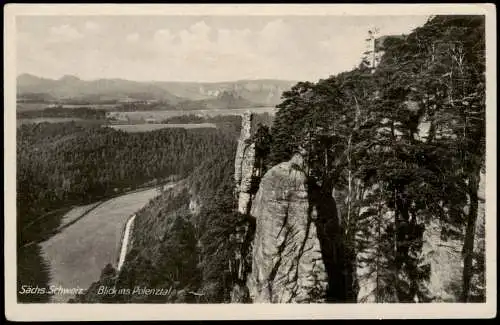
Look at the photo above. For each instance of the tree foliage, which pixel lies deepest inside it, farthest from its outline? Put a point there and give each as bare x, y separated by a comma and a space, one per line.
409, 136
60, 165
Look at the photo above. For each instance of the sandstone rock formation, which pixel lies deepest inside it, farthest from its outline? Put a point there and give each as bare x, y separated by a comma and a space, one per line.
287, 255
245, 133
240, 264
444, 257
297, 254
244, 165
247, 173
244, 169
478, 280
440, 254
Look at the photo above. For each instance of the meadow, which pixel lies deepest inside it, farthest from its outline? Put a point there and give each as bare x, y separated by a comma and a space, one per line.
132, 128
161, 115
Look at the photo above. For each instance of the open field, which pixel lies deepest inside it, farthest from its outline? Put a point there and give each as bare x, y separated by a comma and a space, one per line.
160, 115
79, 252
151, 127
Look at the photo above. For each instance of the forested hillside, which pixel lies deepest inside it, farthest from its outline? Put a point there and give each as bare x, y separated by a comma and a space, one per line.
181, 241
64, 164
70, 164
402, 148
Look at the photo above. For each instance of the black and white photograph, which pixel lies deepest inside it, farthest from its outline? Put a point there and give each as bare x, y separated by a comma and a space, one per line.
198, 157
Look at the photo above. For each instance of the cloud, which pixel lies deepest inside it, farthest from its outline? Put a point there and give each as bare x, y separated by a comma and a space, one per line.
234, 41
202, 42
291, 48
271, 50
200, 28
64, 33
92, 26
133, 37
192, 44
275, 37
163, 36
196, 38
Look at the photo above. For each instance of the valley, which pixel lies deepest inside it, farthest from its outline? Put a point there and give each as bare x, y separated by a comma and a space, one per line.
364, 187
78, 253
71, 224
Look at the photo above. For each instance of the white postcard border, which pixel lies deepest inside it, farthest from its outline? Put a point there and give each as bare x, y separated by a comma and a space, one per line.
56, 312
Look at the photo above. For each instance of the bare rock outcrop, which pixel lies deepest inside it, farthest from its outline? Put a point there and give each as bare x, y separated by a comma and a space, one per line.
247, 173
444, 257
440, 257
287, 261
478, 281
244, 168
446, 262
246, 124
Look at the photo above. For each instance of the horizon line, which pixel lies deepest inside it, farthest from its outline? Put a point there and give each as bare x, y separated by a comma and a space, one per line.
152, 80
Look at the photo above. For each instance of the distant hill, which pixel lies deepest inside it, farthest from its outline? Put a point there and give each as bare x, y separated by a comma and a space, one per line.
101, 89
266, 92
185, 95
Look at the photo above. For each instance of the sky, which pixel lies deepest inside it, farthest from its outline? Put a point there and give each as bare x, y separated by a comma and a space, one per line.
197, 48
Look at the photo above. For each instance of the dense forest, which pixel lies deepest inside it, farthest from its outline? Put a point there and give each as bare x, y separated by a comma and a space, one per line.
61, 111
60, 165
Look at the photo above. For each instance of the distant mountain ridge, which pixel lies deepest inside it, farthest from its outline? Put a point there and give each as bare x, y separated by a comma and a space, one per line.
262, 91
237, 94
75, 88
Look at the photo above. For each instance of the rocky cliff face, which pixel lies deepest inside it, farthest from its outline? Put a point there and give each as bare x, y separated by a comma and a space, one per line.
287, 261
478, 288
440, 254
295, 254
244, 170
290, 253
444, 256
244, 165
